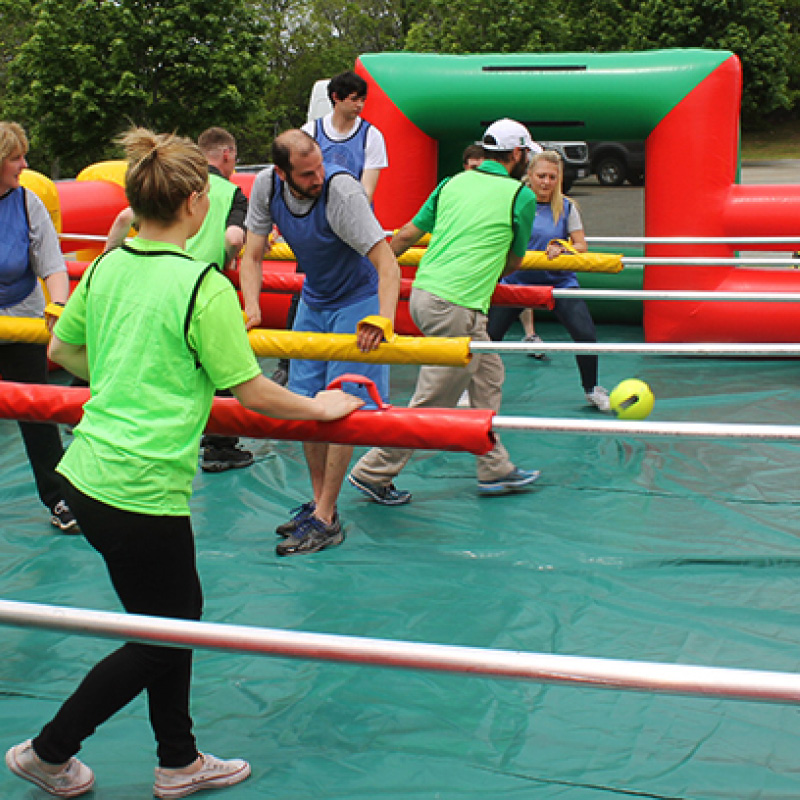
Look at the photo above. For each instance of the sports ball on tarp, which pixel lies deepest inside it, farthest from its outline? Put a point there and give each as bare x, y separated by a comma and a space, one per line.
632, 399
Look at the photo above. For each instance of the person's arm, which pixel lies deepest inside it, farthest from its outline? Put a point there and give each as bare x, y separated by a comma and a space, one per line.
266, 397
369, 180
513, 263
385, 263
406, 237
57, 285
578, 239
251, 277
234, 242
119, 229
70, 356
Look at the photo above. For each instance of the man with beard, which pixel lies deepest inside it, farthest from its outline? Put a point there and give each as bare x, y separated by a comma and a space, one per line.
351, 274
480, 222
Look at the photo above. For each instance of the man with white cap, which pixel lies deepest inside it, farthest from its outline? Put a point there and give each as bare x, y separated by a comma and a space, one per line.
480, 222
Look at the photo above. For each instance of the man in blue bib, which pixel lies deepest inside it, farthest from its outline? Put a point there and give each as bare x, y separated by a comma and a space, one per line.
351, 274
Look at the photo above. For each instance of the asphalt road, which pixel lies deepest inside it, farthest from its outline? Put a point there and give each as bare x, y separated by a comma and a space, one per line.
619, 210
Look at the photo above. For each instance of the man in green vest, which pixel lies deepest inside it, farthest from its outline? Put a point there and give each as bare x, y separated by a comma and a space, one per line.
480, 222
218, 242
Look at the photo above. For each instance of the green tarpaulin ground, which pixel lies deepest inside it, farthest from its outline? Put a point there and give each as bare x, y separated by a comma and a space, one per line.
646, 549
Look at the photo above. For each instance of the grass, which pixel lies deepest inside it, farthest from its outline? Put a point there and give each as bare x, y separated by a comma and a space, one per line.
780, 140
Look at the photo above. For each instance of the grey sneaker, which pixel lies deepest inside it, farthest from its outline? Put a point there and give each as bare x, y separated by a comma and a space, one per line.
299, 514
598, 397
72, 780
515, 481
213, 774
387, 495
535, 339
311, 536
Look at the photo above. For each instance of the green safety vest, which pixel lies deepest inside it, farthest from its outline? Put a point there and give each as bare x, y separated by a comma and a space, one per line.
208, 244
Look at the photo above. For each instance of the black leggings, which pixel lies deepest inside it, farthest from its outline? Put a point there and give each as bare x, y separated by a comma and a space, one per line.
151, 562
27, 363
572, 314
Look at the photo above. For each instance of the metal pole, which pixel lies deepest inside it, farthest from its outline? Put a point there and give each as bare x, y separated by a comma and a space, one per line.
636, 348
676, 294
687, 430
693, 239
741, 684
710, 261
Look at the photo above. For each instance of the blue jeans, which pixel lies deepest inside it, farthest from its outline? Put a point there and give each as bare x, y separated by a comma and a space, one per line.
573, 315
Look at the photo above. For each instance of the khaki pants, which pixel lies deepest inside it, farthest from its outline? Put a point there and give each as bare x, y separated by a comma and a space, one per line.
440, 387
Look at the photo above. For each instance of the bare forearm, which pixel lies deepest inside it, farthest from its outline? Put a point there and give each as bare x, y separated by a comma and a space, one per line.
58, 286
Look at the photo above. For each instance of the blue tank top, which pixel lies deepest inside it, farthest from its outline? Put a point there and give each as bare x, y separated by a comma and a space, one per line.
546, 228
17, 280
336, 275
349, 153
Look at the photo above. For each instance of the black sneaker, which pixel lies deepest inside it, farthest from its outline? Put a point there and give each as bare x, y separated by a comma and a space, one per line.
299, 514
311, 536
219, 459
388, 495
64, 519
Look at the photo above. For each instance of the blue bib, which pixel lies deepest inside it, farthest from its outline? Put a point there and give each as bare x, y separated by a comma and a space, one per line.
336, 275
546, 228
349, 153
17, 280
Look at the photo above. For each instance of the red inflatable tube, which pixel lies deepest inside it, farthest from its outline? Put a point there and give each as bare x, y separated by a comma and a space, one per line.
285, 280
459, 430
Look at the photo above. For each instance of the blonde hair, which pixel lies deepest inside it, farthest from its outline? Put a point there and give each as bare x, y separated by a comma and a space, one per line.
163, 170
557, 198
12, 140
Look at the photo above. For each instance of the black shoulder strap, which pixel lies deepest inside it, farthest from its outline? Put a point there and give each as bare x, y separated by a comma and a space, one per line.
190, 310
93, 267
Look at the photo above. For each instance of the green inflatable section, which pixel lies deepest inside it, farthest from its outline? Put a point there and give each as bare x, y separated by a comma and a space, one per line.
567, 95
661, 550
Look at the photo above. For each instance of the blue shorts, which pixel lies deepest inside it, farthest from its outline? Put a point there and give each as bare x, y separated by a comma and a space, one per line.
309, 377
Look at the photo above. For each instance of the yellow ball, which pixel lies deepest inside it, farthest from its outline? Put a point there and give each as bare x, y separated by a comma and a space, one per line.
632, 399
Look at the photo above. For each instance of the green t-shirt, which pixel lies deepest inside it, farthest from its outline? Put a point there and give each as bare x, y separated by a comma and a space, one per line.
475, 218
136, 446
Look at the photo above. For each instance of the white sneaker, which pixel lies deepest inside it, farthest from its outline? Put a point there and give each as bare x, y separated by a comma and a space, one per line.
599, 397
463, 401
72, 780
535, 339
213, 774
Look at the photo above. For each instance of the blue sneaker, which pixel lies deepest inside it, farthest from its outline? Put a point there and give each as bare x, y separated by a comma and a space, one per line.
515, 480
299, 514
385, 495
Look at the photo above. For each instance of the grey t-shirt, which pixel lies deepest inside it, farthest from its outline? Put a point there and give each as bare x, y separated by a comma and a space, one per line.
348, 211
45, 257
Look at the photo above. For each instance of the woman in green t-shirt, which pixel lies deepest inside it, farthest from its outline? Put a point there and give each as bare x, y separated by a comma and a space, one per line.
155, 333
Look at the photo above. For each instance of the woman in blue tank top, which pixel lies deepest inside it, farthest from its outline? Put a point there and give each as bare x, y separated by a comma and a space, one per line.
29, 250
556, 218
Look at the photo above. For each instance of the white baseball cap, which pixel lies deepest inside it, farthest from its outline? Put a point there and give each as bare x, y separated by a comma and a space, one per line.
506, 134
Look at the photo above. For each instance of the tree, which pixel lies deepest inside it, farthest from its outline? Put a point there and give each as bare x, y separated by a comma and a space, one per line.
473, 26
14, 32
93, 67
752, 29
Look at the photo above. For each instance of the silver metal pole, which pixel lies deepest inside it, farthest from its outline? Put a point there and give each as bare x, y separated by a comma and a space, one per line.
694, 239
689, 430
676, 294
636, 348
741, 684
711, 261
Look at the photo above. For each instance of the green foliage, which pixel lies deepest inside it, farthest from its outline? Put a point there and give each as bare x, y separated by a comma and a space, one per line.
92, 68
474, 26
752, 29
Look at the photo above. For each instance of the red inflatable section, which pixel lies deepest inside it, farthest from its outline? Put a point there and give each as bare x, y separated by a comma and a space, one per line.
88, 207
691, 168
459, 430
398, 192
